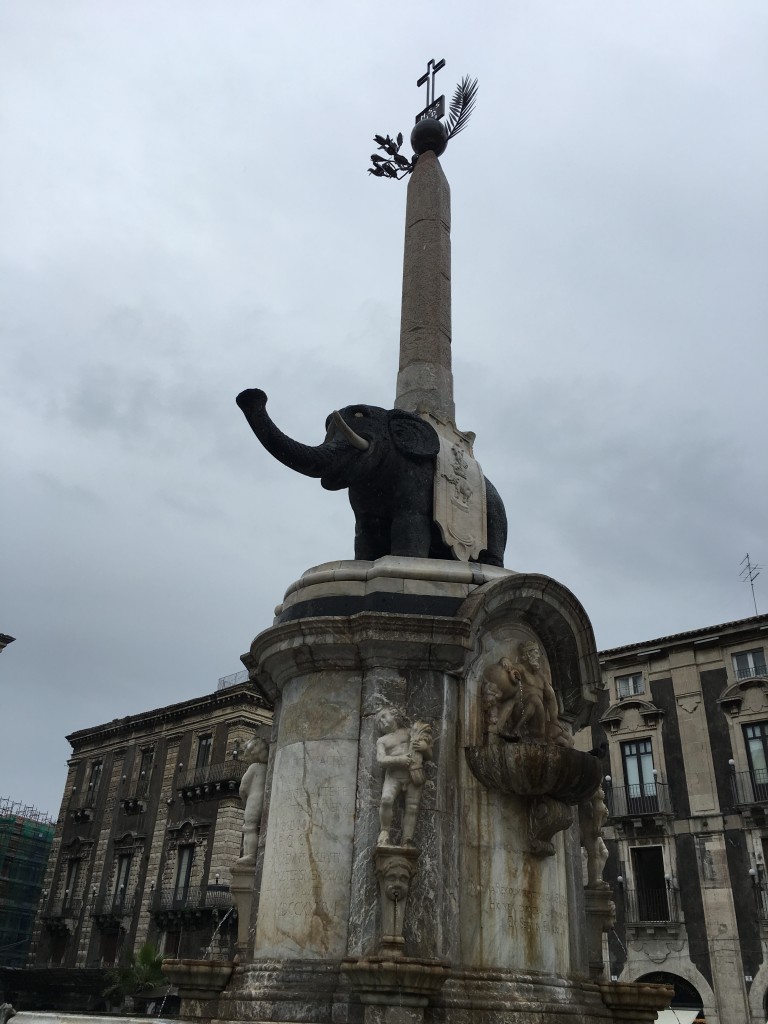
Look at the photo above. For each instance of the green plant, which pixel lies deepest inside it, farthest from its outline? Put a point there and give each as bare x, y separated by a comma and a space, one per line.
140, 974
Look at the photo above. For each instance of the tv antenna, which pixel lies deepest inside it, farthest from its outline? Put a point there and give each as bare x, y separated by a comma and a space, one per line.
749, 574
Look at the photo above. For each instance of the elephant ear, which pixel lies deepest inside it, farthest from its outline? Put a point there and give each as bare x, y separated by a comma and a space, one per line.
412, 435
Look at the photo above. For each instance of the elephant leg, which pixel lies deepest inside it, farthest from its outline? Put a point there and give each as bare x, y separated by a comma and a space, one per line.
411, 535
371, 537
496, 527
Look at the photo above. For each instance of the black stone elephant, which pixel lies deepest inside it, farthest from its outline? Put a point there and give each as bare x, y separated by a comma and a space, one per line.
386, 458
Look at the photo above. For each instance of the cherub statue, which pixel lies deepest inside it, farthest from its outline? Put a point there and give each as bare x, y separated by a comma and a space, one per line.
252, 786
520, 701
401, 750
593, 814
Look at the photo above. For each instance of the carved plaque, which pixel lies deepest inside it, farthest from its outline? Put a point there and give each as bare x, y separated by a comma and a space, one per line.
460, 509
303, 907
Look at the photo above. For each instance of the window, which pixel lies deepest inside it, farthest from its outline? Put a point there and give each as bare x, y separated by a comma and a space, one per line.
121, 877
747, 664
145, 771
639, 776
70, 887
204, 744
756, 741
109, 947
652, 902
183, 872
93, 783
171, 942
628, 686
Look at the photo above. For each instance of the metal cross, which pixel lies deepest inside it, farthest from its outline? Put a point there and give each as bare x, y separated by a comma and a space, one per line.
429, 78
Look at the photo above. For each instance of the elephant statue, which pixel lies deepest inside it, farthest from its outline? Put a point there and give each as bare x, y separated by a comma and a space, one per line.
386, 458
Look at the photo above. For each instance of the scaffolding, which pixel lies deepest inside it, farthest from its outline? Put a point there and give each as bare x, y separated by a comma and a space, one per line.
26, 835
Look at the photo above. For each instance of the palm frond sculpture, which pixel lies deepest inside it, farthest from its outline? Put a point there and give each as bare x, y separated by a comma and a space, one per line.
394, 165
462, 105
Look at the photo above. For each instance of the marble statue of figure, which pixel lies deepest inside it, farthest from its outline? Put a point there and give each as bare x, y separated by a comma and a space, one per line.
6, 1012
252, 786
401, 750
593, 814
520, 701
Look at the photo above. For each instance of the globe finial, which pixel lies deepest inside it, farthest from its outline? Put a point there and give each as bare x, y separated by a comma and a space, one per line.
430, 133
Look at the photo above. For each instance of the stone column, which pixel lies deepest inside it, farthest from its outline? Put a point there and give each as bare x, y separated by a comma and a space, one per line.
425, 380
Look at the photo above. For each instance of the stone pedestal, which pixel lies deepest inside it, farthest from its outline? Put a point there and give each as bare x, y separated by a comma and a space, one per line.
489, 926
241, 888
601, 917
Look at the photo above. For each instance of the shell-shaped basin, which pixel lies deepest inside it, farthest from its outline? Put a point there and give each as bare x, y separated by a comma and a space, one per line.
536, 769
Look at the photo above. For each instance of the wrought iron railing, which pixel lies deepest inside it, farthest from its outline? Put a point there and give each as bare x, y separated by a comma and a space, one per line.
233, 679
752, 671
651, 906
62, 909
208, 897
214, 774
137, 791
116, 905
750, 787
635, 801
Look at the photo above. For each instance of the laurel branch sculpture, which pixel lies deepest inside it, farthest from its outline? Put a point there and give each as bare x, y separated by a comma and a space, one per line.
394, 164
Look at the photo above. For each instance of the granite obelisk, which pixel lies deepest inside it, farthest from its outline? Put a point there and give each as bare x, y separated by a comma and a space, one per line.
425, 378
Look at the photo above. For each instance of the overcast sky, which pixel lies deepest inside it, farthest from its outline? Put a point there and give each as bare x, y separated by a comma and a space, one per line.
185, 212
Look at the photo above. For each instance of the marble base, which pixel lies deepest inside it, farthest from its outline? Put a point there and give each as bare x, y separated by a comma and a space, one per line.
491, 932
417, 586
375, 990
54, 1017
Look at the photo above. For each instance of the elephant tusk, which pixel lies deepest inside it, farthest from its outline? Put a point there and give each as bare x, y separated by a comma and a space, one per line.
354, 439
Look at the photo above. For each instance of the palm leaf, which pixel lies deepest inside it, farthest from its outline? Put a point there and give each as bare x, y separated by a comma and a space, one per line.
462, 105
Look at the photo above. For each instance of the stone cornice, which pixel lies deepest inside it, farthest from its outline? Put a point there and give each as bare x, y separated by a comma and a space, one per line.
233, 696
355, 643
726, 632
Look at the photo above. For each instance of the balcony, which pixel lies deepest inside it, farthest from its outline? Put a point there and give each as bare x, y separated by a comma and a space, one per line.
191, 904
641, 801
82, 805
61, 915
111, 910
750, 788
651, 907
757, 671
213, 780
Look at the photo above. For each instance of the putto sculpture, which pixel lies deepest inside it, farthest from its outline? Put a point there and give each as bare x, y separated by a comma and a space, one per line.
251, 792
520, 701
401, 750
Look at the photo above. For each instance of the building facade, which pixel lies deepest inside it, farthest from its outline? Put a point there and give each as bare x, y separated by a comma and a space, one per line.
150, 825
25, 843
685, 723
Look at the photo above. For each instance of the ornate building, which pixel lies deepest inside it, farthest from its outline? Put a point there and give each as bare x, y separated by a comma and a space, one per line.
685, 720
150, 825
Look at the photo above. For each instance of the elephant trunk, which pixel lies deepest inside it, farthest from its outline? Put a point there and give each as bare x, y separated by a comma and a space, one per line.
311, 461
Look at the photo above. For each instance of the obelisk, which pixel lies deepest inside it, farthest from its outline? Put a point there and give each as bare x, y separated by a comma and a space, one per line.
425, 378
